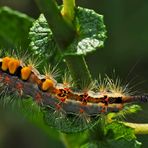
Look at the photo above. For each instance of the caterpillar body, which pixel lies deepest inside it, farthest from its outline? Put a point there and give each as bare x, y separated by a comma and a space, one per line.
78, 110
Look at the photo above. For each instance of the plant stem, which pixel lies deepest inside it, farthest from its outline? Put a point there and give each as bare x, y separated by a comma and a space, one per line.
79, 70
74, 140
64, 139
68, 10
64, 33
138, 128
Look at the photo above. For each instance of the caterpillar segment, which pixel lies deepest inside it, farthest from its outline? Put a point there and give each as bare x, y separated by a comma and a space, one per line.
138, 98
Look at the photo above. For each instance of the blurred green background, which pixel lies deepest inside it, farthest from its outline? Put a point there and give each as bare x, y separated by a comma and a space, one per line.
125, 51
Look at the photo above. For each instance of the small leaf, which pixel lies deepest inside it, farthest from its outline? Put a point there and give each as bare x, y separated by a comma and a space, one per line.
42, 43
120, 135
75, 140
122, 143
14, 28
119, 130
90, 32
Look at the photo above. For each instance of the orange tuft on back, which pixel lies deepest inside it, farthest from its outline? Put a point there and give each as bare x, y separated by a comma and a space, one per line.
13, 65
48, 83
5, 62
25, 73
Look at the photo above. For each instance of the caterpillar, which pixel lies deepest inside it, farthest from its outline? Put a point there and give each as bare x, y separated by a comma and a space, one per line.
64, 108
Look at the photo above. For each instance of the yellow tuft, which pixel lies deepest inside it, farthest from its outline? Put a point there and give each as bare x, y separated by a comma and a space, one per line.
13, 65
25, 73
5, 62
48, 83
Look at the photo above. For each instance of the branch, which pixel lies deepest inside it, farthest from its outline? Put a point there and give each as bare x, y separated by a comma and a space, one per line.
68, 10
138, 128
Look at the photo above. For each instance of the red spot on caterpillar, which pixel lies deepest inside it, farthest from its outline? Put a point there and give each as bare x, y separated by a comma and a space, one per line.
1, 77
58, 106
81, 110
62, 99
35, 80
38, 97
105, 100
19, 87
67, 89
7, 80
104, 109
84, 98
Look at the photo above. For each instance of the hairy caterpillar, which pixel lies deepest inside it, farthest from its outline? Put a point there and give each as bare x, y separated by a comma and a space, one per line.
64, 108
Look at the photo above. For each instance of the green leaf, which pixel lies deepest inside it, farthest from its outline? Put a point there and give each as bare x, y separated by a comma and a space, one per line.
91, 32
14, 28
122, 143
42, 43
120, 135
117, 130
114, 134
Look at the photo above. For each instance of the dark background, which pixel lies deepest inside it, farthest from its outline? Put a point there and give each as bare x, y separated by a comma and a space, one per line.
126, 48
